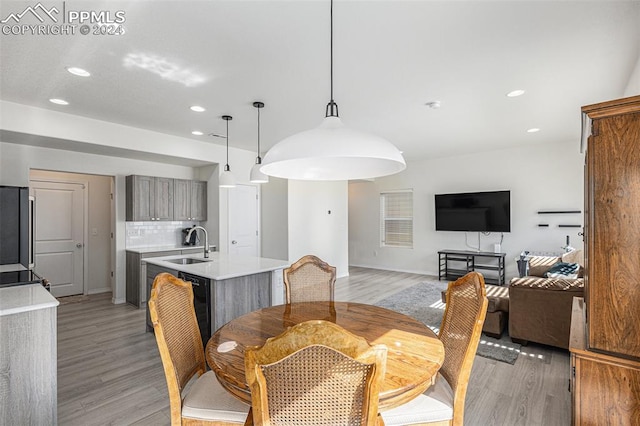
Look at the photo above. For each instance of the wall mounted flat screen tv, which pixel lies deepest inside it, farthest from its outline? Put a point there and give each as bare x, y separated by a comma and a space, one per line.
474, 211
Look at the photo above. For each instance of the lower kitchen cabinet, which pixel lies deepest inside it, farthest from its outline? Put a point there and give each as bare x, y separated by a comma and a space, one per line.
136, 293
28, 356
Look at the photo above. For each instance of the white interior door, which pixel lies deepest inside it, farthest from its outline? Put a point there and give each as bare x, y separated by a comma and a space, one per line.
59, 236
243, 220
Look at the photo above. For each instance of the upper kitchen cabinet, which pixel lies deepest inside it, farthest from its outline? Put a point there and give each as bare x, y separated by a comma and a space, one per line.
190, 199
149, 198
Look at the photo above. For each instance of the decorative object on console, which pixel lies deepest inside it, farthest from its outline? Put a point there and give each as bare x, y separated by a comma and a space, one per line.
332, 151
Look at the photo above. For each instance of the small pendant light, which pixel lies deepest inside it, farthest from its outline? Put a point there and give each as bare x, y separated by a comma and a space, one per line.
227, 180
256, 176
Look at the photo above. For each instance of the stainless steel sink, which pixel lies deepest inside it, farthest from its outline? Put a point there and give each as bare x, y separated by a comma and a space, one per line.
187, 260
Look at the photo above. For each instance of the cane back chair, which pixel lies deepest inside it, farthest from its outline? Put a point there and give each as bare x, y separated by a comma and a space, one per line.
204, 402
443, 403
315, 373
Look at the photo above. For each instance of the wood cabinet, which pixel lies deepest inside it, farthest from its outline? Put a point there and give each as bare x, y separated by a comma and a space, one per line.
149, 198
606, 379
190, 199
604, 389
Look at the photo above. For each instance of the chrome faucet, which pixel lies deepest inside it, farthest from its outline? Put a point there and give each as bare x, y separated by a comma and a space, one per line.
206, 239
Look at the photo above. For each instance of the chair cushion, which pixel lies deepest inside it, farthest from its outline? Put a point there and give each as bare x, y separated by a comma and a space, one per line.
208, 400
435, 405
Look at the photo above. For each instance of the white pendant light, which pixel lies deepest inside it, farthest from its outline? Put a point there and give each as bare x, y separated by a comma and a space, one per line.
227, 180
256, 176
332, 151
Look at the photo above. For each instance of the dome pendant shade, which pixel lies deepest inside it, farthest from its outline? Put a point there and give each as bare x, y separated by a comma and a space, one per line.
227, 179
332, 151
256, 176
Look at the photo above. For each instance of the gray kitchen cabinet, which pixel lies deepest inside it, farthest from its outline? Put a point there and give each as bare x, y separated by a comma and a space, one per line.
190, 200
136, 274
28, 356
149, 198
136, 292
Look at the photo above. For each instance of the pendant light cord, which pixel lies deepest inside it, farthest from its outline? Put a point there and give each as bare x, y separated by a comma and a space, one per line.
332, 107
259, 159
226, 166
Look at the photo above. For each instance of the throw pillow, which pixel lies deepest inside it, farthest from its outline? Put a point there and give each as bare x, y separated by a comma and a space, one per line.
575, 256
563, 270
539, 265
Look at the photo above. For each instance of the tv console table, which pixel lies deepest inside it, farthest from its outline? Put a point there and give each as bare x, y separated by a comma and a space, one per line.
466, 261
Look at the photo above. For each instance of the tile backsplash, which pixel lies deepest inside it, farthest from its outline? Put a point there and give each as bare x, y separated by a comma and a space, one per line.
156, 234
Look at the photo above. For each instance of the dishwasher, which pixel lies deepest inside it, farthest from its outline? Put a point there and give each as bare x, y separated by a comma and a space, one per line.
201, 302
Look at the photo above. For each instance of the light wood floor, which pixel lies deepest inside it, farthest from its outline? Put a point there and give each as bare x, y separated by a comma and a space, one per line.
109, 368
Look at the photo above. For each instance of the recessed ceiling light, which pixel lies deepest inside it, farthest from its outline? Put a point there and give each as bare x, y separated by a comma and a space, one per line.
197, 108
197, 133
78, 71
515, 93
533, 130
58, 101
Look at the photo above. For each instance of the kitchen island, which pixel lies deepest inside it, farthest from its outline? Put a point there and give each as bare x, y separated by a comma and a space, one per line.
228, 285
28, 356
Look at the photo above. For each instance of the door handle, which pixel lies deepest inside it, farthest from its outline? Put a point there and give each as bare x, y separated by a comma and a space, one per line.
79, 245
234, 242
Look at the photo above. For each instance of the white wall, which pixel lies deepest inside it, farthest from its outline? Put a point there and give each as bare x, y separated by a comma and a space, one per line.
312, 229
539, 178
633, 87
275, 220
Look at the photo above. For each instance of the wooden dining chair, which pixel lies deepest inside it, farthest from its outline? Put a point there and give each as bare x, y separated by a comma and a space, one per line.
309, 279
315, 373
205, 401
443, 403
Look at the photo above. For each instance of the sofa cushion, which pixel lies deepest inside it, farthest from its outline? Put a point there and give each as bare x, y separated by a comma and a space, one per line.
498, 298
563, 270
574, 256
562, 284
539, 265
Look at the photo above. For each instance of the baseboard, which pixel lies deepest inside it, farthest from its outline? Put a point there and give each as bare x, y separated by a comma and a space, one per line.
407, 271
99, 290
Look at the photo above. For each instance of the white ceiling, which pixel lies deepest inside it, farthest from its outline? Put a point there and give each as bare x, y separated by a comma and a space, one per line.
390, 58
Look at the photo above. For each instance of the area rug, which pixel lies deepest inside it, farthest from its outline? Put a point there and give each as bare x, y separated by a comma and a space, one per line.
423, 302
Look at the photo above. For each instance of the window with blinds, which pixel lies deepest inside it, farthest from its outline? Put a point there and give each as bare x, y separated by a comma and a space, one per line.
396, 219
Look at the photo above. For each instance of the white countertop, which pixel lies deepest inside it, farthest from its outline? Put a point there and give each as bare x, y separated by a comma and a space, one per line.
221, 266
24, 298
156, 249
14, 267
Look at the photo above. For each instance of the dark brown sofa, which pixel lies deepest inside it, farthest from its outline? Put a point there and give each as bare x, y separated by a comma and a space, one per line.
539, 307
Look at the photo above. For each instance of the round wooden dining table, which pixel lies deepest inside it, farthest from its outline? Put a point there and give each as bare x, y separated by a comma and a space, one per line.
414, 353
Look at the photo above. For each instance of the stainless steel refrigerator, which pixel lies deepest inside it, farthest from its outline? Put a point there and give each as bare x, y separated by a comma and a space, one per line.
16, 234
